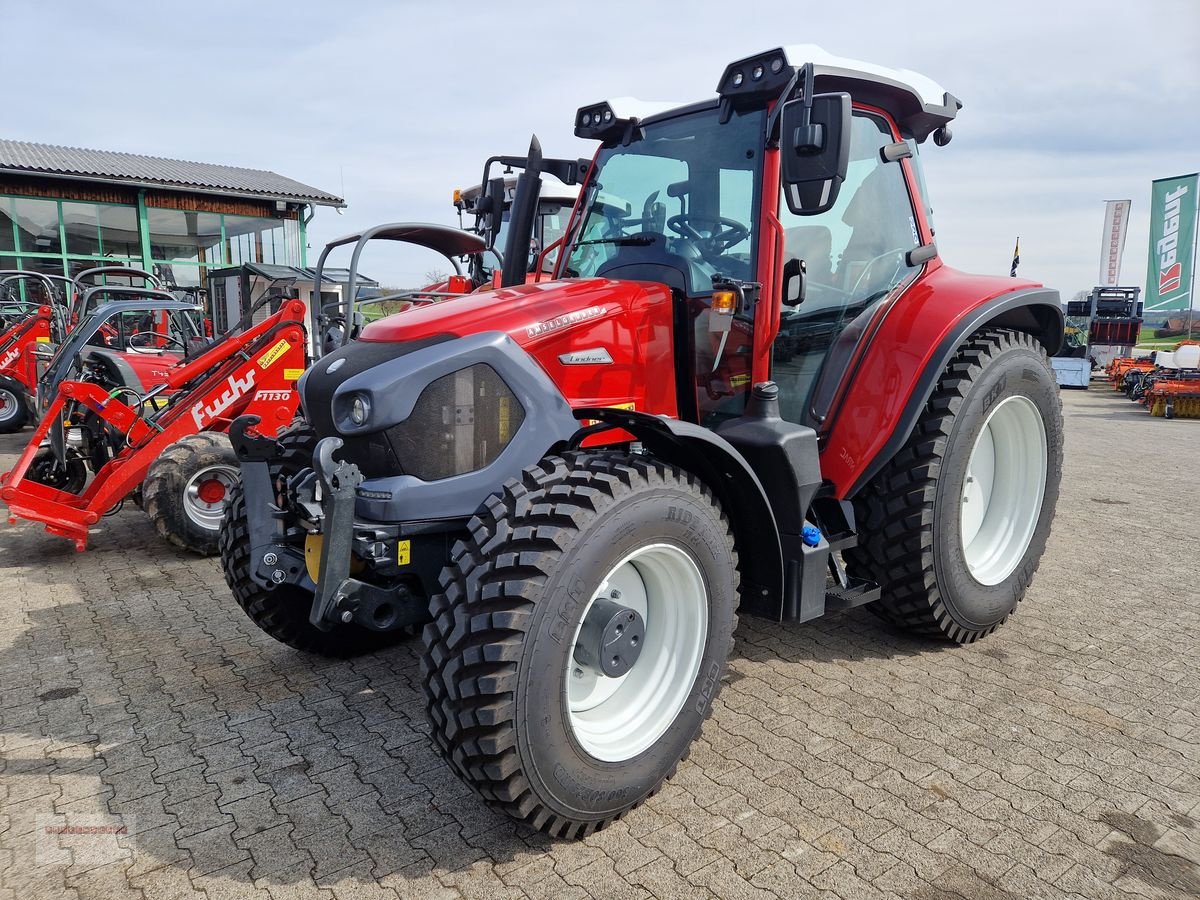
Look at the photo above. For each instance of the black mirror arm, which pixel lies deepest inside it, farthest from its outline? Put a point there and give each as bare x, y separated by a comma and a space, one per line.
772, 130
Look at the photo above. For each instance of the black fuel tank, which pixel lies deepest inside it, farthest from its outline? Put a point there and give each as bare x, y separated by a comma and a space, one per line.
782, 454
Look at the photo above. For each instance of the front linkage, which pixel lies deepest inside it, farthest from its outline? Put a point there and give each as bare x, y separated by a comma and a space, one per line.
301, 533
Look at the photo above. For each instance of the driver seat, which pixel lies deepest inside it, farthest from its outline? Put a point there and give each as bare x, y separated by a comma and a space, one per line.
647, 262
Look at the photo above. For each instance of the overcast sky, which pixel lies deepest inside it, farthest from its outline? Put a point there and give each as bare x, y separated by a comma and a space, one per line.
392, 105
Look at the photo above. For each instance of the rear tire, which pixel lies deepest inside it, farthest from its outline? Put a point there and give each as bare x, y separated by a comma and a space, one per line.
511, 706
185, 489
946, 568
14, 408
283, 612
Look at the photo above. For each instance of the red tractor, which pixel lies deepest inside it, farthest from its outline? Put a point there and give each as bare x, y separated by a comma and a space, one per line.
135, 403
753, 385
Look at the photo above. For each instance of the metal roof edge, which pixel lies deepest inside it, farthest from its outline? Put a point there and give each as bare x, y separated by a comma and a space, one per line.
178, 187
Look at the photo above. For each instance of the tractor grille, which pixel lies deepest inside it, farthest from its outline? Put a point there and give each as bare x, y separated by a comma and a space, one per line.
461, 422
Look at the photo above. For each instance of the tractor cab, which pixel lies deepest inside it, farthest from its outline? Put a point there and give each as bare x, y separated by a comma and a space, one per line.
105, 284
812, 239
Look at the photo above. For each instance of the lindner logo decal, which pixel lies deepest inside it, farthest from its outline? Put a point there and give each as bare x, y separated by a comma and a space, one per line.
582, 315
1170, 271
272, 356
235, 389
597, 356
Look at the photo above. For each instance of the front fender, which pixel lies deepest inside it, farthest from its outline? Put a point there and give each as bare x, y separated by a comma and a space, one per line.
718, 464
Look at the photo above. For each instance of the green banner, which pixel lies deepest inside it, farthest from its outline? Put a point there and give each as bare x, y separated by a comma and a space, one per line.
1170, 268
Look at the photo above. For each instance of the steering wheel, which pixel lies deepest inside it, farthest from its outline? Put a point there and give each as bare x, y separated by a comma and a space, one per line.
154, 335
726, 233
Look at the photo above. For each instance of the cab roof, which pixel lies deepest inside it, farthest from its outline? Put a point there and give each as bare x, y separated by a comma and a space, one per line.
919, 105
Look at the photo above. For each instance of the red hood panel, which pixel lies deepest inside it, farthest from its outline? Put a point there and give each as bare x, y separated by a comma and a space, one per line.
630, 321
523, 312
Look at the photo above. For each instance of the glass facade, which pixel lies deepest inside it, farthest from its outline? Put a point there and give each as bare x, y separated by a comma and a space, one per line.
64, 237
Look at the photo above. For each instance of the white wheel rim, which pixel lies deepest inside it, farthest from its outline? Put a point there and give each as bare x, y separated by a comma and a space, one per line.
8, 404
1003, 489
201, 502
615, 719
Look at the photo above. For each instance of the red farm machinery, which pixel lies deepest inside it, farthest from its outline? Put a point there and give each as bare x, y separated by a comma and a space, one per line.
33, 312
750, 384
134, 405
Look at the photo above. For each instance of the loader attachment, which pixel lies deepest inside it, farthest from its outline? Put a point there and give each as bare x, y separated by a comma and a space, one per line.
119, 433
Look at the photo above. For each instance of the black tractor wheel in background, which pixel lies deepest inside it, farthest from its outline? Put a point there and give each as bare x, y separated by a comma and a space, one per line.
580, 637
14, 408
185, 489
283, 612
44, 469
953, 528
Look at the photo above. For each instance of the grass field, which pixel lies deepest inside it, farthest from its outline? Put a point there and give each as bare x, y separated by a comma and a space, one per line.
1147, 340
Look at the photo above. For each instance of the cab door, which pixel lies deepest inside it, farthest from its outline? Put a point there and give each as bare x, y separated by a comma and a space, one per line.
855, 255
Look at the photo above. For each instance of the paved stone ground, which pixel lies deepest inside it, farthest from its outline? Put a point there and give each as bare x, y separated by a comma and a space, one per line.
154, 744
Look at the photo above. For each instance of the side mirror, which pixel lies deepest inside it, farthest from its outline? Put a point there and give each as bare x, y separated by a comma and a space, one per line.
795, 277
493, 202
815, 144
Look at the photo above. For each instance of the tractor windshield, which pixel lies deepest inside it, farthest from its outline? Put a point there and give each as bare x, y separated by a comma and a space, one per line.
682, 199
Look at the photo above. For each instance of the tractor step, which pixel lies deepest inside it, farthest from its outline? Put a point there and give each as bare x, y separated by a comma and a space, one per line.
842, 541
858, 593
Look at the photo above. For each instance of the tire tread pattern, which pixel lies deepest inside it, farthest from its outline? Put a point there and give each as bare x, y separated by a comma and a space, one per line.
480, 619
896, 511
161, 494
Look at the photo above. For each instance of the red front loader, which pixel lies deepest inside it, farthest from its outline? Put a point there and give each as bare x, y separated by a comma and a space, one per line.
753, 384
104, 438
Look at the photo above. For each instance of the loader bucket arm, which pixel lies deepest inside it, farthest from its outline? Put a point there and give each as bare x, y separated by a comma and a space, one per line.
254, 374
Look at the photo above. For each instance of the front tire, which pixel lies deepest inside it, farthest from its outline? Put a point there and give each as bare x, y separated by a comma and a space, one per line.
515, 705
14, 407
185, 490
953, 528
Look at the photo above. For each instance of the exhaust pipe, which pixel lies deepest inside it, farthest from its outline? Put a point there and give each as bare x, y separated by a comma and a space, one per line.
521, 219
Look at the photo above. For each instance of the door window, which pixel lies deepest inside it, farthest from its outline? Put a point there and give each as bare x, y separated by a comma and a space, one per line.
855, 254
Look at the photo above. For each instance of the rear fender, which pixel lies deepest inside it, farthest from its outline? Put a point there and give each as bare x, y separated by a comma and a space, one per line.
906, 357
727, 474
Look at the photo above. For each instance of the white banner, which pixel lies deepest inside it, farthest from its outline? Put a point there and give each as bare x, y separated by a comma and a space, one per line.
1116, 217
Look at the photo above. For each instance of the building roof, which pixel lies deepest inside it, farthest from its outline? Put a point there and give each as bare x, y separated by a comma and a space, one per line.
21, 157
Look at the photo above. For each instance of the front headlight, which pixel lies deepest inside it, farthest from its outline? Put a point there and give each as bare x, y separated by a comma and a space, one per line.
360, 409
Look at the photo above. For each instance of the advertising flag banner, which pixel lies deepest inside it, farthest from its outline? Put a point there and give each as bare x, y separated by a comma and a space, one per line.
1116, 217
1170, 268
